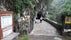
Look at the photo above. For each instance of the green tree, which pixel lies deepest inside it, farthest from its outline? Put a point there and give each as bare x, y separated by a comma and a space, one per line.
21, 5
57, 8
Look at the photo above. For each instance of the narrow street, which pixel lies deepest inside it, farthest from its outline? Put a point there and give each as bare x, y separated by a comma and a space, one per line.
19, 19
44, 31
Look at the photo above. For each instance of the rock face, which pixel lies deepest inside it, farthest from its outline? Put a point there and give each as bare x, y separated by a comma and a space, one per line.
24, 23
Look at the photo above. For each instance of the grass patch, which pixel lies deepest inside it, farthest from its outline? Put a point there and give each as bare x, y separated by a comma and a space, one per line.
23, 37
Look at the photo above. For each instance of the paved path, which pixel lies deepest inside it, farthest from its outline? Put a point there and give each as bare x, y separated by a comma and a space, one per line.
43, 31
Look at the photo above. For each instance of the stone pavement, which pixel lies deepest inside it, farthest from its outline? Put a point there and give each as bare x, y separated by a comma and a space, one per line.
44, 31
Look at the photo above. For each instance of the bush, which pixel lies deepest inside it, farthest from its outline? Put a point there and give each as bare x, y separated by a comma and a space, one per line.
23, 37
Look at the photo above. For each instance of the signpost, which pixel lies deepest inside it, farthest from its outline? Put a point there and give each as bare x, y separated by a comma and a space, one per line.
6, 23
67, 24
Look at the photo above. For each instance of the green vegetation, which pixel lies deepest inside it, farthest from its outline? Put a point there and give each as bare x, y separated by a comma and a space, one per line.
20, 5
23, 37
57, 8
